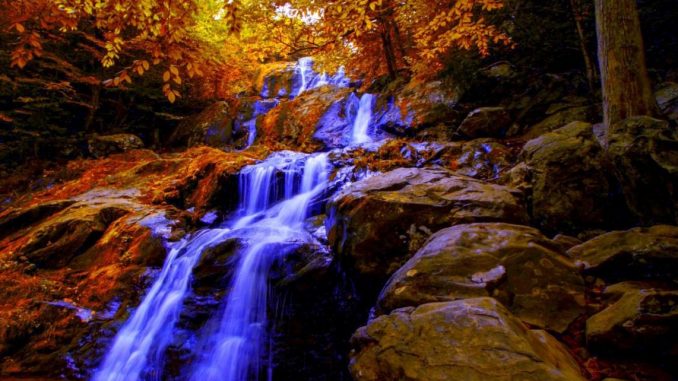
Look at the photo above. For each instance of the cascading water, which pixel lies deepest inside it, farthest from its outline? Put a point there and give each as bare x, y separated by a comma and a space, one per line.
138, 348
309, 79
360, 132
276, 197
234, 350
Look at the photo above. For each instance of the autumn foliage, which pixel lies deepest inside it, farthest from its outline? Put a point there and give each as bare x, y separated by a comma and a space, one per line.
222, 41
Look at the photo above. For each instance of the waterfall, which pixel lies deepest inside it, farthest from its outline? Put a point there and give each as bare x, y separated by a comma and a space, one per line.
360, 132
139, 345
233, 351
309, 79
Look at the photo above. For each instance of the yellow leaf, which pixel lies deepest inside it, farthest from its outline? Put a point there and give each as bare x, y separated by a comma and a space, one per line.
19, 28
373, 6
174, 70
166, 76
171, 97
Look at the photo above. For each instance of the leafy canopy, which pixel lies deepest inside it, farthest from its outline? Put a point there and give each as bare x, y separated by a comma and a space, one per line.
223, 40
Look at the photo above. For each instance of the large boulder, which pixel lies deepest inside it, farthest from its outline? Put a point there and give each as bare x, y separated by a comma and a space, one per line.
636, 254
643, 151
376, 224
485, 122
559, 115
642, 321
104, 145
416, 106
571, 185
521, 268
471, 340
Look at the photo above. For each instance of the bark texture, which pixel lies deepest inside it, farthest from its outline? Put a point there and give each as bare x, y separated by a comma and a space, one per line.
621, 55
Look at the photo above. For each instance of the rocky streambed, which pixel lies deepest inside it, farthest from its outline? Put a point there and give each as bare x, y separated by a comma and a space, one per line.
460, 243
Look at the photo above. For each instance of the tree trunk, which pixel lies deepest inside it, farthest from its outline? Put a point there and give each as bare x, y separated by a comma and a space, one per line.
621, 56
389, 52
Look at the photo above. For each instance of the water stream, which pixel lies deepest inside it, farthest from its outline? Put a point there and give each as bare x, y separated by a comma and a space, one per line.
276, 197
361, 125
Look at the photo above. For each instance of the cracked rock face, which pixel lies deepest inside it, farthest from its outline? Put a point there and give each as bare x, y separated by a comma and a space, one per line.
517, 265
472, 340
375, 225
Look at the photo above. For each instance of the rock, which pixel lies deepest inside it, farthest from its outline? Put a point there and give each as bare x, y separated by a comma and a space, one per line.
566, 242
667, 100
484, 159
472, 340
570, 180
212, 127
376, 224
618, 290
561, 116
14, 219
499, 70
645, 157
417, 106
642, 321
56, 242
309, 121
335, 126
519, 177
485, 122
100, 146
517, 265
636, 254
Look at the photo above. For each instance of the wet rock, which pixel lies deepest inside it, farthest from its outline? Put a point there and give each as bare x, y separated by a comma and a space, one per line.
320, 311
570, 180
667, 100
642, 321
473, 340
416, 107
484, 159
212, 127
376, 224
56, 242
14, 219
560, 115
100, 146
520, 267
335, 126
643, 151
492, 122
636, 254
315, 118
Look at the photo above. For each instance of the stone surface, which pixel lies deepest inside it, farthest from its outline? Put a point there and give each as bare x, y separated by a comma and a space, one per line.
570, 180
485, 122
642, 321
308, 122
471, 340
560, 116
667, 99
636, 254
212, 127
415, 107
517, 265
104, 145
376, 224
643, 151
